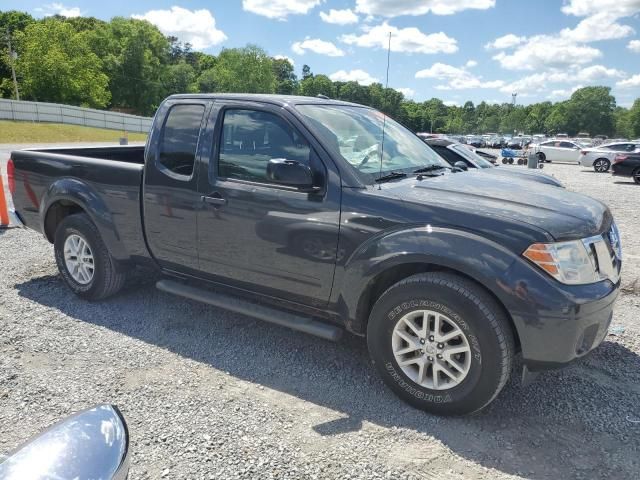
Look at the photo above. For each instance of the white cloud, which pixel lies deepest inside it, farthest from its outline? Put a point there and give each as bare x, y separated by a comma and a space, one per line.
451, 103
582, 8
284, 57
634, 46
506, 41
395, 8
457, 78
51, 9
599, 26
542, 81
316, 45
339, 17
471, 64
563, 93
357, 75
631, 82
410, 40
597, 72
198, 27
279, 9
407, 92
543, 51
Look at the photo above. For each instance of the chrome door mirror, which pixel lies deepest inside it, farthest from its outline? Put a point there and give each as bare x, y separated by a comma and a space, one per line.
90, 444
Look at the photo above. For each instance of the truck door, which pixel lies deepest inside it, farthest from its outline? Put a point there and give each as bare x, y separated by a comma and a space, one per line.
171, 197
254, 233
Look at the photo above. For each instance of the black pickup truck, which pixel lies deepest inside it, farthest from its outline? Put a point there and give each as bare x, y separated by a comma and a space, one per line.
323, 216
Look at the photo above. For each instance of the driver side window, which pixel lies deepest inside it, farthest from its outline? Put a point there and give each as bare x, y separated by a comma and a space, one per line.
250, 138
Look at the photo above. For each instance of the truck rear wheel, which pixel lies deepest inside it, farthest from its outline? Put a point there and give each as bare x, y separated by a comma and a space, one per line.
83, 260
441, 343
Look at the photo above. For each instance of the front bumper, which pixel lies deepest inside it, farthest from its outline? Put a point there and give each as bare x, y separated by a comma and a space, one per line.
558, 323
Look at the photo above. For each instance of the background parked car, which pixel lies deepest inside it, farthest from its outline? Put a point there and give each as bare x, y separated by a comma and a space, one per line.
454, 152
601, 157
558, 150
627, 165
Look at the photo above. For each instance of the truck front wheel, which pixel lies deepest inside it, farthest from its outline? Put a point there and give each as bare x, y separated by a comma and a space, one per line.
83, 260
441, 343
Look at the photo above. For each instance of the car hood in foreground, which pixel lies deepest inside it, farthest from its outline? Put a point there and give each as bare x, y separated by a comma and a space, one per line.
563, 214
524, 174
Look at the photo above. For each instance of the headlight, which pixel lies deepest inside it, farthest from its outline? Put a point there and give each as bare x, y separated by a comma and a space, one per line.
573, 262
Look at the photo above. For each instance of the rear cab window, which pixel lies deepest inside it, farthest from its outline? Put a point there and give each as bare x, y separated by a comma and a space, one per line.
179, 140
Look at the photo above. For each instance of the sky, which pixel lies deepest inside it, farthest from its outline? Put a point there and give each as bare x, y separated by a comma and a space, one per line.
456, 50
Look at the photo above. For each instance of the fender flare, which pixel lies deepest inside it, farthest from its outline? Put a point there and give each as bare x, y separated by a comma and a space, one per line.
473, 256
77, 192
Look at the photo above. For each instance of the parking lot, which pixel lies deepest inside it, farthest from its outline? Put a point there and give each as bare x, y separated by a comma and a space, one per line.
210, 394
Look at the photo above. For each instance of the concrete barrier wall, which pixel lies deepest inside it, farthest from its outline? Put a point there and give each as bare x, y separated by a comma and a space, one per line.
58, 113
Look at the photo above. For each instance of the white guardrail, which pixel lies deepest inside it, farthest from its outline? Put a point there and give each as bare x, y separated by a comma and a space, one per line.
58, 113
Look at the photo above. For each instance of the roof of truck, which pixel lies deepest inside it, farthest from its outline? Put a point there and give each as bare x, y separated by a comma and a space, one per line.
268, 98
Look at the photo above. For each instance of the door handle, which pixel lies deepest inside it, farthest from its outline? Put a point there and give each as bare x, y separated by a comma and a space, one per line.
214, 200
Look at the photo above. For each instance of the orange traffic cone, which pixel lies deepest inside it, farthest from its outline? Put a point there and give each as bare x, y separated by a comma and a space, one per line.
4, 211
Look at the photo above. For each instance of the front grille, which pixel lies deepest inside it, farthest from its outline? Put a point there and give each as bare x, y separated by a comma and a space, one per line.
607, 253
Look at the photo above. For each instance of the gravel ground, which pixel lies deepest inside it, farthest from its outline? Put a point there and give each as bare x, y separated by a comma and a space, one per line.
209, 394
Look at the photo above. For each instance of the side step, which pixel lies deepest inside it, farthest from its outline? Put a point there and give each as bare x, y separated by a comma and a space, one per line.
238, 305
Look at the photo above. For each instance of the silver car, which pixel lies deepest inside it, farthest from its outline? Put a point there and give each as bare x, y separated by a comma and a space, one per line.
601, 157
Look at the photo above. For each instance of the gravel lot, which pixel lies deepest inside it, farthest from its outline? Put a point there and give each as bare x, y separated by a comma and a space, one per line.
209, 394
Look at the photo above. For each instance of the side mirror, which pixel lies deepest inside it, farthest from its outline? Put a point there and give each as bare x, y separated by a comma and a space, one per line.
290, 173
461, 165
90, 444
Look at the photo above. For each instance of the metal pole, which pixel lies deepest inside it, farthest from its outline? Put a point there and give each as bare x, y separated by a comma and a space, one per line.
13, 70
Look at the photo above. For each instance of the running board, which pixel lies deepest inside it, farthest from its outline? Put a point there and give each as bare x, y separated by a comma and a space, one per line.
262, 312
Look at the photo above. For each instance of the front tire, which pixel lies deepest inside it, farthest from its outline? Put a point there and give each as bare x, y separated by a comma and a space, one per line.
441, 343
601, 165
542, 157
83, 260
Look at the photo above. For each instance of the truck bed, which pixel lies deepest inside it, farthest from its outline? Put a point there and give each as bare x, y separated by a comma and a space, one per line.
63, 176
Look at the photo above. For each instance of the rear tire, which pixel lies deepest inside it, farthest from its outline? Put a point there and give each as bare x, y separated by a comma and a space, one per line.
480, 372
542, 157
636, 176
103, 277
601, 165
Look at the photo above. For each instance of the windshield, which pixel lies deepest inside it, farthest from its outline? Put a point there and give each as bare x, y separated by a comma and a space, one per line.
472, 156
356, 133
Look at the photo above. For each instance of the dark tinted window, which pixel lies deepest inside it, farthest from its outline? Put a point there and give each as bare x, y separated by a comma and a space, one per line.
566, 145
251, 138
180, 138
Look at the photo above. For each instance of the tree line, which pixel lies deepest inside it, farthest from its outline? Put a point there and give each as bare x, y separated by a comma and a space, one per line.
128, 65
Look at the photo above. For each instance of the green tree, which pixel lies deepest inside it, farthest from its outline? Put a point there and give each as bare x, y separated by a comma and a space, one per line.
591, 110
135, 55
286, 80
180, 78
317, 85
57, 65
558, 119
12, 23
634, 119
306, 72
247, 69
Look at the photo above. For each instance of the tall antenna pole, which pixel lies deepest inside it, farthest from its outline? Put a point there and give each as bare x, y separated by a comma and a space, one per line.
384, 115
12, 61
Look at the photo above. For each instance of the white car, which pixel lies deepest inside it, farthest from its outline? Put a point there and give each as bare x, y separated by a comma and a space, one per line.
558, 150
601, 157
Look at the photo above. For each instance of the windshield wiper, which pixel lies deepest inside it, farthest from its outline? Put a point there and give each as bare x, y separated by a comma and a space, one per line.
431, 168
391, 176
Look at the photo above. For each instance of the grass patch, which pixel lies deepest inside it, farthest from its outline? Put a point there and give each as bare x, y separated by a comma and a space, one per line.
28, 132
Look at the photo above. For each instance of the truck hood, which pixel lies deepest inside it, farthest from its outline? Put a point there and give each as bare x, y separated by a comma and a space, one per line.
523, 174
563, 214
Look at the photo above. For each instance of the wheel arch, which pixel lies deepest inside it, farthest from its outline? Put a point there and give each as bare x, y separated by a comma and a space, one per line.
70, 196
395, 274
